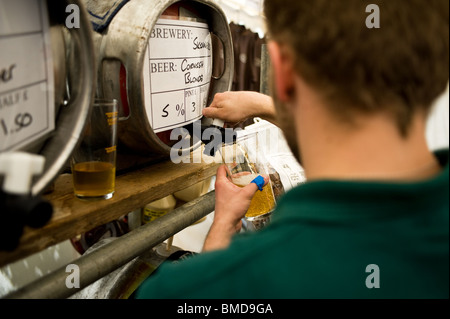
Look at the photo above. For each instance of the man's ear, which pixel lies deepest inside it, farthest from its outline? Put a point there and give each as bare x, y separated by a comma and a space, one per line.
282, 65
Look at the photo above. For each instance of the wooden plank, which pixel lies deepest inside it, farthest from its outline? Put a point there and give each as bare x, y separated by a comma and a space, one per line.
134, 190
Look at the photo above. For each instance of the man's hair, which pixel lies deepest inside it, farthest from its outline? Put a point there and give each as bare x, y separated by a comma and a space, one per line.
401, 67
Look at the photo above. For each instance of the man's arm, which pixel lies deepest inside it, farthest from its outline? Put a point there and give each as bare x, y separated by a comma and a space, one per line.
235, 107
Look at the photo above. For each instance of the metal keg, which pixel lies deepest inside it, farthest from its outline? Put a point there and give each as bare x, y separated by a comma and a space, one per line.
155, 59
47, 82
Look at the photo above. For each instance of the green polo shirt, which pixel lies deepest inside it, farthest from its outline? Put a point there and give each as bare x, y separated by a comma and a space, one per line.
330, 239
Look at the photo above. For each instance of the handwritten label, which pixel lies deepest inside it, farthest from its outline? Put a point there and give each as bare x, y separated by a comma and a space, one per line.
177, 73
26, 74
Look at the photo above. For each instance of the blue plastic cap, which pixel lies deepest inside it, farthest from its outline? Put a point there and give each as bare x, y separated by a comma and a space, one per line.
259, 181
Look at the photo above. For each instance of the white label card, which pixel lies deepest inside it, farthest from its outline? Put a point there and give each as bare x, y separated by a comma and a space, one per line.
27, 110
177, 73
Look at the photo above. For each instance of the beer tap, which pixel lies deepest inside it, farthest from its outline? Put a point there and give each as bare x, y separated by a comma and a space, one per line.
213, 135
18, 207
218, 137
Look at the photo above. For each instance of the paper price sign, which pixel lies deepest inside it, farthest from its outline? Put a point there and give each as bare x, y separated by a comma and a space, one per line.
26, 74
177, 73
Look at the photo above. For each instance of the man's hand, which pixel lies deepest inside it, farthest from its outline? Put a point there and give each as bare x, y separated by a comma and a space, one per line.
236, 107
232, 203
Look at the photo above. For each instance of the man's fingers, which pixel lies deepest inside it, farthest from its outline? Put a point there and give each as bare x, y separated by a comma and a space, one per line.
221, 172
250, 189
257, 184
253, 187
266, 179
213, 111
209, 112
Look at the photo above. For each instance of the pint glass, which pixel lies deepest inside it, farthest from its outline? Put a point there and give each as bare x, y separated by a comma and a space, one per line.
242, 171
94, 160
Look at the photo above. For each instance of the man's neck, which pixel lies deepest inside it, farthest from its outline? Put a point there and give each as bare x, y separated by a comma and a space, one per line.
374, 150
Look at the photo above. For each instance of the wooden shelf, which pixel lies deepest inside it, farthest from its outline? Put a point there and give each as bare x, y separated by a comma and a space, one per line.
73, 216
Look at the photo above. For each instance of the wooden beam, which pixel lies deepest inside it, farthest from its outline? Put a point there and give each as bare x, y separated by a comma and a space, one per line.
134, 190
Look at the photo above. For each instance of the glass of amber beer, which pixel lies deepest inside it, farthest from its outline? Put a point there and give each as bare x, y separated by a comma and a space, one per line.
94, 160
242, 170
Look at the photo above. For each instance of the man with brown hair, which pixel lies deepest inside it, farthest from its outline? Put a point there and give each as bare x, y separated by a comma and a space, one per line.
373, 219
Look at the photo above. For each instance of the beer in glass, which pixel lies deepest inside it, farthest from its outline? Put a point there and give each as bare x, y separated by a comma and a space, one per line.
94, 160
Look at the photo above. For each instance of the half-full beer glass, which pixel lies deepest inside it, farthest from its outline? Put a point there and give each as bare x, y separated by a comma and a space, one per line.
94, 160
242, 171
